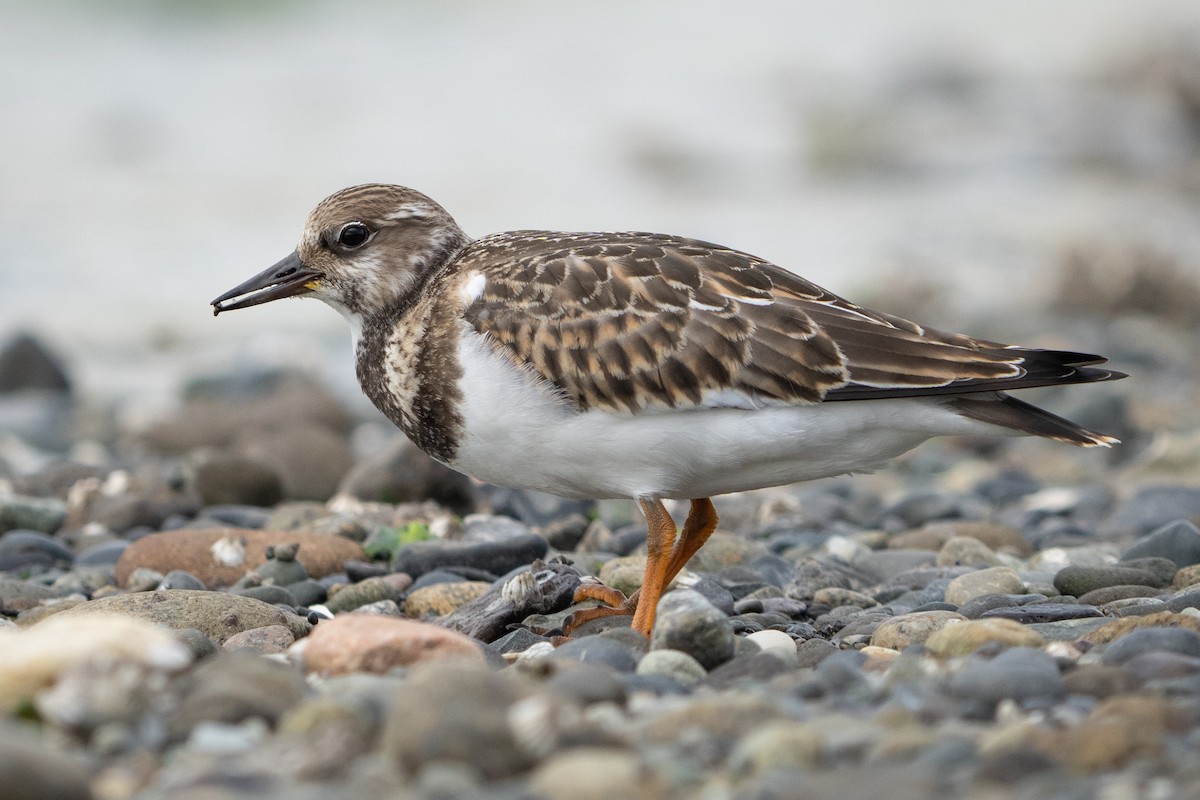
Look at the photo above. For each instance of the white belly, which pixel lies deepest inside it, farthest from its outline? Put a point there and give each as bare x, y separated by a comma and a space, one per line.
518, 434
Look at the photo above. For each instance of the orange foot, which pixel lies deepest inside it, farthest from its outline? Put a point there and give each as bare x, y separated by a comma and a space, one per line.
665, 557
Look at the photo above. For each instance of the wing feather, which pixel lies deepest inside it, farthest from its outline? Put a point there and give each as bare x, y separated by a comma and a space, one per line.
625, 321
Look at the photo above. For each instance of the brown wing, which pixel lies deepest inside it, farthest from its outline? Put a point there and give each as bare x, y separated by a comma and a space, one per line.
621, 321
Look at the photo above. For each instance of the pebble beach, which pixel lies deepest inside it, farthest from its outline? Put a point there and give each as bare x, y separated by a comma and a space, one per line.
224, 575
240, 601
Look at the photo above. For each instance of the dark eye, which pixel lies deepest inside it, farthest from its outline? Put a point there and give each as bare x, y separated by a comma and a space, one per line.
352, 235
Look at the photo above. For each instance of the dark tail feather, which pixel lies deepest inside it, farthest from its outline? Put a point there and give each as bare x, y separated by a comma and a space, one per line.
1009, 412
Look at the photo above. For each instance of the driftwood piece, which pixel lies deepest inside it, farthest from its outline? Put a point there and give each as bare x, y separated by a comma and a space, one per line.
544, 588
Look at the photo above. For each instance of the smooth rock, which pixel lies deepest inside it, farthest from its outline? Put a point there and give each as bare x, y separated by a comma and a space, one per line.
363, 643
1043, 612
834, 597
178, 579
966, 551
231, 688
775, 643
1022, 674
1173, 640
1078, 580
1098, 597
968, 636
601, 650
689, 623
105, 553
883, 565
1162, 665
1184, 600
22, 549
899, 632
216, 614
977, 606
15, 592
746, 671
220, 556
778, 745
43, 514
1115, 629
1187, 576
34, 658
442, 598
348, 597
33, 769
994, 536
457, 713
496, 557
1163, 569
674, 664
594, 773
1119, 731
275, 595
995, 580
1152, 507
1100, 680
1178, 540
266, 640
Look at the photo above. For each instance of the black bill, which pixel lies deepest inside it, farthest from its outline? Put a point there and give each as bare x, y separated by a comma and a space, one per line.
287, 278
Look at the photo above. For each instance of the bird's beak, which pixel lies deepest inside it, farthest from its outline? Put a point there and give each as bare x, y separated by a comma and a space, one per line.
287, 278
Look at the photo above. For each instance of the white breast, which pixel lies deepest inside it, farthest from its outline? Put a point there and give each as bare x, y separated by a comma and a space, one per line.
518, 433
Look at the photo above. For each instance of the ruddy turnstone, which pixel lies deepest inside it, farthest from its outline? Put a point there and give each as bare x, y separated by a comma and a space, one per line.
639, 365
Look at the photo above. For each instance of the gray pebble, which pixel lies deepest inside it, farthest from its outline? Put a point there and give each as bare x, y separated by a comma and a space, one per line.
30, 770
275, 595
1163, 569
599, 650
22, 549
842, 671
238, 516
686, 621
44, 514
1079, 580
1022, 674
104, 553
496, 557
1152, 507
1188, 598
233, 687
1178, 540
1043, 612
749, 670
673, 664
178, 579
516, 641
1099, 597
1144, 640
307, 592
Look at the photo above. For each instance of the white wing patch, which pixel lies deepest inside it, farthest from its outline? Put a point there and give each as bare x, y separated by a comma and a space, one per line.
472, 287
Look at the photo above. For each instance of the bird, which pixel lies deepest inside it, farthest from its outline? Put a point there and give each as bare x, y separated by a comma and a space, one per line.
640, 365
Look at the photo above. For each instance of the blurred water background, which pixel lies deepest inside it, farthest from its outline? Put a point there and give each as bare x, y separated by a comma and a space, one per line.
963, 162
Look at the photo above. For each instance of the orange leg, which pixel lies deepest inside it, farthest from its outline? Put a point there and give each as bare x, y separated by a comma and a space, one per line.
660, 543
661, 567
701, 522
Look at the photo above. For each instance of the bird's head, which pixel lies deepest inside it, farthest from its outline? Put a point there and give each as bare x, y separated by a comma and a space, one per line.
362, 251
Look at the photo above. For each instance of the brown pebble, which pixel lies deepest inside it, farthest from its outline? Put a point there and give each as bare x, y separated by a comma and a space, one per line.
440, 599
193, 551
1163, 619
360, 643
266, 640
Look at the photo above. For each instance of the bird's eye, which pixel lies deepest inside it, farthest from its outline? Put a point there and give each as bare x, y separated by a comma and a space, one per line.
352, 235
